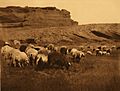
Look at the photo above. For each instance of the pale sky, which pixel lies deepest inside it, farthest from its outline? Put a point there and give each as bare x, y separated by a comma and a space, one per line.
83, 11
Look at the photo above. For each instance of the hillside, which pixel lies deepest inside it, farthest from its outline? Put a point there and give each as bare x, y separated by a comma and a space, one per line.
74, 35
15, 16
52, 25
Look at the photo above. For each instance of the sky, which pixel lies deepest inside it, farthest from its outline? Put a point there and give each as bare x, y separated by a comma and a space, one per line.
83, 11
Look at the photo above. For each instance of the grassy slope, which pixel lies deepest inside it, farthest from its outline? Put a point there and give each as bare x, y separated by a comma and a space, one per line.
91, 74
96, 33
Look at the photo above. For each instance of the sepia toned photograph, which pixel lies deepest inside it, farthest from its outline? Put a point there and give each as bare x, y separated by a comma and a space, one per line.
59, 45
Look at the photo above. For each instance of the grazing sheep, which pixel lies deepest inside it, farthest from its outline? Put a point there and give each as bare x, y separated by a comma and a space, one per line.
104, 47
18, 58
105, 52
64, 50
89, 52
77, 55
98, 52
38, 48
16, 44
31, 46
56, 49
109, 50
118, 48
99, 47
56, 58
43, 57
5, 50
113, 47
31, 53
23, 47
73, 51
41, 61
50, 47
81, 48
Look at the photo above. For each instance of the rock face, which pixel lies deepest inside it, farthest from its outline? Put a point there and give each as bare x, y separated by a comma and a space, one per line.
35, 16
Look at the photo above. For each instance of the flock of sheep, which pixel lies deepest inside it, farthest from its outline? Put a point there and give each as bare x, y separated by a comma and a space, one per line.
21, 55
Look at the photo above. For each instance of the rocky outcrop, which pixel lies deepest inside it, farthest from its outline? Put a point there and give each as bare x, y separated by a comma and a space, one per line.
35, 16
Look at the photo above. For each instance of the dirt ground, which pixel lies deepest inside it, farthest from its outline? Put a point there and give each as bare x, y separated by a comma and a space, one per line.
101, 73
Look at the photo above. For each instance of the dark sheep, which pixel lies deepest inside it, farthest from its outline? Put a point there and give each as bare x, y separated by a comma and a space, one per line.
99, 48
63, 50
58, 59
23, 47
118, 48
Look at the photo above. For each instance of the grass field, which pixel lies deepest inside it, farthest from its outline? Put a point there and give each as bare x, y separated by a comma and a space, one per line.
93, 73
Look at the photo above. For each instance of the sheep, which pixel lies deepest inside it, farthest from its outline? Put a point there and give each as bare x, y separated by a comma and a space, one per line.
99, 47
43, 57
23, 47
98, 52
104, 47
50, 47
77, 55
7, 43
5, 50
105, 52
89, 52
113, 47
16, 44
31, 53
56, 49
118, 48
18, 58
56, 58
64, 50
38, 48
41, 60
81, 48
109, 50
73, 51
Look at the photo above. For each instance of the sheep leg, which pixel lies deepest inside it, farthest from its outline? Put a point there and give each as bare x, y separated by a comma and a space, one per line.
14, 63
19, 64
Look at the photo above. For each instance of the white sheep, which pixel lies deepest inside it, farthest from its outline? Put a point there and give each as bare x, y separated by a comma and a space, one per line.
17, 44
98, 52
18, 58
89, 52
81, 54
77, 55
5, 50
73, 51
31, 53
41, 57
50, 46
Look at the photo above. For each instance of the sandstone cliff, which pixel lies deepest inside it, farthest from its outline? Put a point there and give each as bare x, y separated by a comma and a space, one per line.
35, 16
